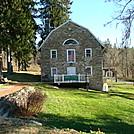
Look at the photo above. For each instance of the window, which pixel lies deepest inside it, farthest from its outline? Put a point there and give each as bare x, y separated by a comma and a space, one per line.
53, 71
70, 42
71, 55
88, 52
53, 53
89, 70
109, 74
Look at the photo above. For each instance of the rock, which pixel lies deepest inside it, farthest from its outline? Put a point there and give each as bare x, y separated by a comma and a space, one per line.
56, 87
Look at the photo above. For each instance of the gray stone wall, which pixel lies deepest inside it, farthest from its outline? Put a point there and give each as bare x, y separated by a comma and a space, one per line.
86, 40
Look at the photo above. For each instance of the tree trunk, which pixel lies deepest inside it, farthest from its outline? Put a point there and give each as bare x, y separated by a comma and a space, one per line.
22, 66
116, 79
25, 65
19, 64
9, 62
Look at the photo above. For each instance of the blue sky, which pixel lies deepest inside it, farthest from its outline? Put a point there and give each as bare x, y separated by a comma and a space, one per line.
93, 14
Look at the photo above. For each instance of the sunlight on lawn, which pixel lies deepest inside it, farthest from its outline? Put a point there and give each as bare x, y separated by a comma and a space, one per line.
84, 111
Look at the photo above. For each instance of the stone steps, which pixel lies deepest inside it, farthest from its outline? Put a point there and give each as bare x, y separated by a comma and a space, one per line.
5, 108
6, 114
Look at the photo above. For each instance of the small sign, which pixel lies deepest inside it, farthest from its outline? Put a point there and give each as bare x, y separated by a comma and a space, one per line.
71, 78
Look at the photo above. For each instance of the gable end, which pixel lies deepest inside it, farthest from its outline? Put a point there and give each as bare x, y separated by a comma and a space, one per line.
69, 21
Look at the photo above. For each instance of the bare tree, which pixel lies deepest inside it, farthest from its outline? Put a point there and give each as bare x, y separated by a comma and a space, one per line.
112, 58
124, 16
121, 60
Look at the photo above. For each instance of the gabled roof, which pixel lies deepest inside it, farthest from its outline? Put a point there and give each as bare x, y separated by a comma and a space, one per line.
63, 25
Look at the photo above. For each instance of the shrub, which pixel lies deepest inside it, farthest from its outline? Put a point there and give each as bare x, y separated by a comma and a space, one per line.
34, 104
27, 102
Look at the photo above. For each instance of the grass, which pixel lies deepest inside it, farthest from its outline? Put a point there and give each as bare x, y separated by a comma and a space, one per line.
84, 111
5, 86
23, 76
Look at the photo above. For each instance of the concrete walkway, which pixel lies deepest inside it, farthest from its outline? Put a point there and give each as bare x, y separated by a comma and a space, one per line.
126, 82
11, 90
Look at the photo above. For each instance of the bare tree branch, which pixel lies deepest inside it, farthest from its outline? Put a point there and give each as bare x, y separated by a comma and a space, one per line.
126, 17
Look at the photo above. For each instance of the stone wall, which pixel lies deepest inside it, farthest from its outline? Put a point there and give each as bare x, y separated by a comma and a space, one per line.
23, 103
86, 40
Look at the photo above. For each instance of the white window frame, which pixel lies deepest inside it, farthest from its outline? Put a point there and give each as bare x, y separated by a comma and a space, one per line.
91, 70
109, 74
86, 51
71, 39
74, 56
51, 53
52, 70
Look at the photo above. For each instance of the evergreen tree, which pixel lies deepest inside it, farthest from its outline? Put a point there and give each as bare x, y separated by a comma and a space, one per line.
52, 14
17, 26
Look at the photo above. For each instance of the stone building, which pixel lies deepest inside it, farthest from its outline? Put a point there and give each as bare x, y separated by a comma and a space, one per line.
72, 54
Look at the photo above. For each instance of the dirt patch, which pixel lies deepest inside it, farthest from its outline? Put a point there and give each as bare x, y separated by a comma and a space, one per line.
14, 125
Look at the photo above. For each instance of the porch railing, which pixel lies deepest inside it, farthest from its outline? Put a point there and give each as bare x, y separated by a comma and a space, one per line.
65, 78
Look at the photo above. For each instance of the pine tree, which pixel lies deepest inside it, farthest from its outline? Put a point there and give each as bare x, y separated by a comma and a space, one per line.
52, 14
17, 26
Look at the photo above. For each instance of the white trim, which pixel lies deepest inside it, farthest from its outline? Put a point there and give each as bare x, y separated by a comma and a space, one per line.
109, 74
74, 56
71, 39
60, 78
52, 69
91, 69
63, 25
52, 51
86, 52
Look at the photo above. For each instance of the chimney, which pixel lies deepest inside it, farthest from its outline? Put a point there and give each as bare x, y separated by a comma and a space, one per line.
47, 26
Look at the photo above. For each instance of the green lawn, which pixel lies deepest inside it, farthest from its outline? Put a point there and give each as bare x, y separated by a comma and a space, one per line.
112, 113
22, 77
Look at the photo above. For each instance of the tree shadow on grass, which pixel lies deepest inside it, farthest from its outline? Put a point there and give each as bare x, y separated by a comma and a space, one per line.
22, 77
105, 123
88, 95
100, 94
123, 95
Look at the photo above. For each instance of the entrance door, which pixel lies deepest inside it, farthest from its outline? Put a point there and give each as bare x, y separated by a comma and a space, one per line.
71, 70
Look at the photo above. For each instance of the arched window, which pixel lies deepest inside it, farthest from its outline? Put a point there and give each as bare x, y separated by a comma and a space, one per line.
70, 42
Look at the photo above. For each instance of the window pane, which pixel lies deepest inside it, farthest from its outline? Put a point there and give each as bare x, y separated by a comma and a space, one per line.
53, 54
89, 70
71, 42
54, 71
88, 53
71, 55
